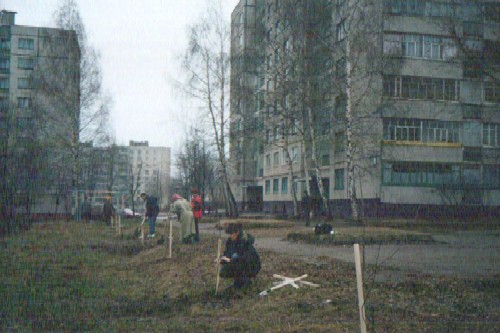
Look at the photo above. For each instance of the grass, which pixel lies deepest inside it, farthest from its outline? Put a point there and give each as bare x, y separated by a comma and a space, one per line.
367, 236
84, 277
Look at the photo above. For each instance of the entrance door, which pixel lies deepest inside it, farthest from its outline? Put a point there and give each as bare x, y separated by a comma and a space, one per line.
255, 195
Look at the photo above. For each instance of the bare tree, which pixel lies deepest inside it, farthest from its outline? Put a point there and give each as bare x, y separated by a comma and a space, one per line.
89, 120
206, 63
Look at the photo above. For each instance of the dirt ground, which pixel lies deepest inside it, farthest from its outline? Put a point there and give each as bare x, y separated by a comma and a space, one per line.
459, 253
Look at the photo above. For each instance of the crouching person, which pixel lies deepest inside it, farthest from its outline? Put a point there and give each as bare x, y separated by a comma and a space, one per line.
240, 260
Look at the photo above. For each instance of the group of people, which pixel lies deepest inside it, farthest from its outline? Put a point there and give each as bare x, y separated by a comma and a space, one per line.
189, 215
240, 261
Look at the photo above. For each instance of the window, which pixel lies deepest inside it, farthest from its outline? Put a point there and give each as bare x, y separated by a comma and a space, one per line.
284, 157
268, 161
276, 159
295, 185
440, 9
276, 182
405, 7
440, 131
268, 187
23, 102
433, 48
26, 44
24, 83
25, 63
325, 159
4, 104
4, 83
416, 87
402, 129
284, 185
491, 176
419, 46
4, 64
419, 173
4, 44
276, 133
491, 135
492, 91
341, 32
339, 144
295, 154
339, 179
412, 46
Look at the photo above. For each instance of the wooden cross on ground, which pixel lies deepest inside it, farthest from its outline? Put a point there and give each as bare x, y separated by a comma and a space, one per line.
294, 282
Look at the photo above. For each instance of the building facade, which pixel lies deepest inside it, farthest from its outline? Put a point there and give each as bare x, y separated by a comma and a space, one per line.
150, 170
394, 103
39, 108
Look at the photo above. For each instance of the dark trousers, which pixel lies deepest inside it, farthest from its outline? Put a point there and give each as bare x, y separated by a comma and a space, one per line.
236, 272
196, 229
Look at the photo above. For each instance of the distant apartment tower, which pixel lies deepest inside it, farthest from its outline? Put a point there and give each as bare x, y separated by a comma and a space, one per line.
150, 169
395, 103
39, 107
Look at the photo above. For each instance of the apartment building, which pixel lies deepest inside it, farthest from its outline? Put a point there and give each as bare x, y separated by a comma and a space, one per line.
150, 169
395, 103
39, 103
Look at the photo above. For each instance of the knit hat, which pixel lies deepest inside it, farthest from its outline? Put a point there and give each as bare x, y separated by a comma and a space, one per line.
176, 197
233, 228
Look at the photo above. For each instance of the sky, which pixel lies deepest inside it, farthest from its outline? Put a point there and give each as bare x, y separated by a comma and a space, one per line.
140, 43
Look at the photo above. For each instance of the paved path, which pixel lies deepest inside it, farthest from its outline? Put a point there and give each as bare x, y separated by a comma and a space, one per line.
464, 254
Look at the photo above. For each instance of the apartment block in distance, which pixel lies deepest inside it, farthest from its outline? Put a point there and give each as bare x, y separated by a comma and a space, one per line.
150, 169
395, 103
39, 107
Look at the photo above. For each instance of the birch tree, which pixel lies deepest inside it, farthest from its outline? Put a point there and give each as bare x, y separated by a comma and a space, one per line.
207, 63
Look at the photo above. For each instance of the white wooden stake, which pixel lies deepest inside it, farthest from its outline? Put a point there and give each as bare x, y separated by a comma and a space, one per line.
142, 234
359, 279
119, 225
170, 239
219, 243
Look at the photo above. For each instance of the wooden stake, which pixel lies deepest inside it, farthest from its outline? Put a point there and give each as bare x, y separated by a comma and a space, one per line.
170, 239
142, 234
119, 225
359, 279
219, 243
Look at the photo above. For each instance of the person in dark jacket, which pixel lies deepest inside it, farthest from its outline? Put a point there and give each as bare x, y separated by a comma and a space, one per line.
152, 211
240, 260
86, 210
108, 211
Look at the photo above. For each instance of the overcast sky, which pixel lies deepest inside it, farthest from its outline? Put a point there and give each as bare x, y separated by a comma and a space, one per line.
139, 42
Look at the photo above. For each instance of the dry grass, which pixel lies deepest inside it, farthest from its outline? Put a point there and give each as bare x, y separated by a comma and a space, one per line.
74, 277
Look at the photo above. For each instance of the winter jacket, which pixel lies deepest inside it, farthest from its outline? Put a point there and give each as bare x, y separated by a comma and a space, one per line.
243, 254
152, 208
196, 205
183, 209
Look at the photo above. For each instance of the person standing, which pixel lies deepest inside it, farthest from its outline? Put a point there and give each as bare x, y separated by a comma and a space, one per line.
86, 210
196, 205
182, 208
108, 211
306, 206
240, 260
152, 211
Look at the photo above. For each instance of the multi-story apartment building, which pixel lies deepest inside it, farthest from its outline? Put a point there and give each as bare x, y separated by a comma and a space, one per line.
39, 108
395, 103
150, 169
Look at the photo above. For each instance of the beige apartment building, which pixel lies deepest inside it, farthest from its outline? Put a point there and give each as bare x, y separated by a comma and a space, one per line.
150, 169
394, 102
